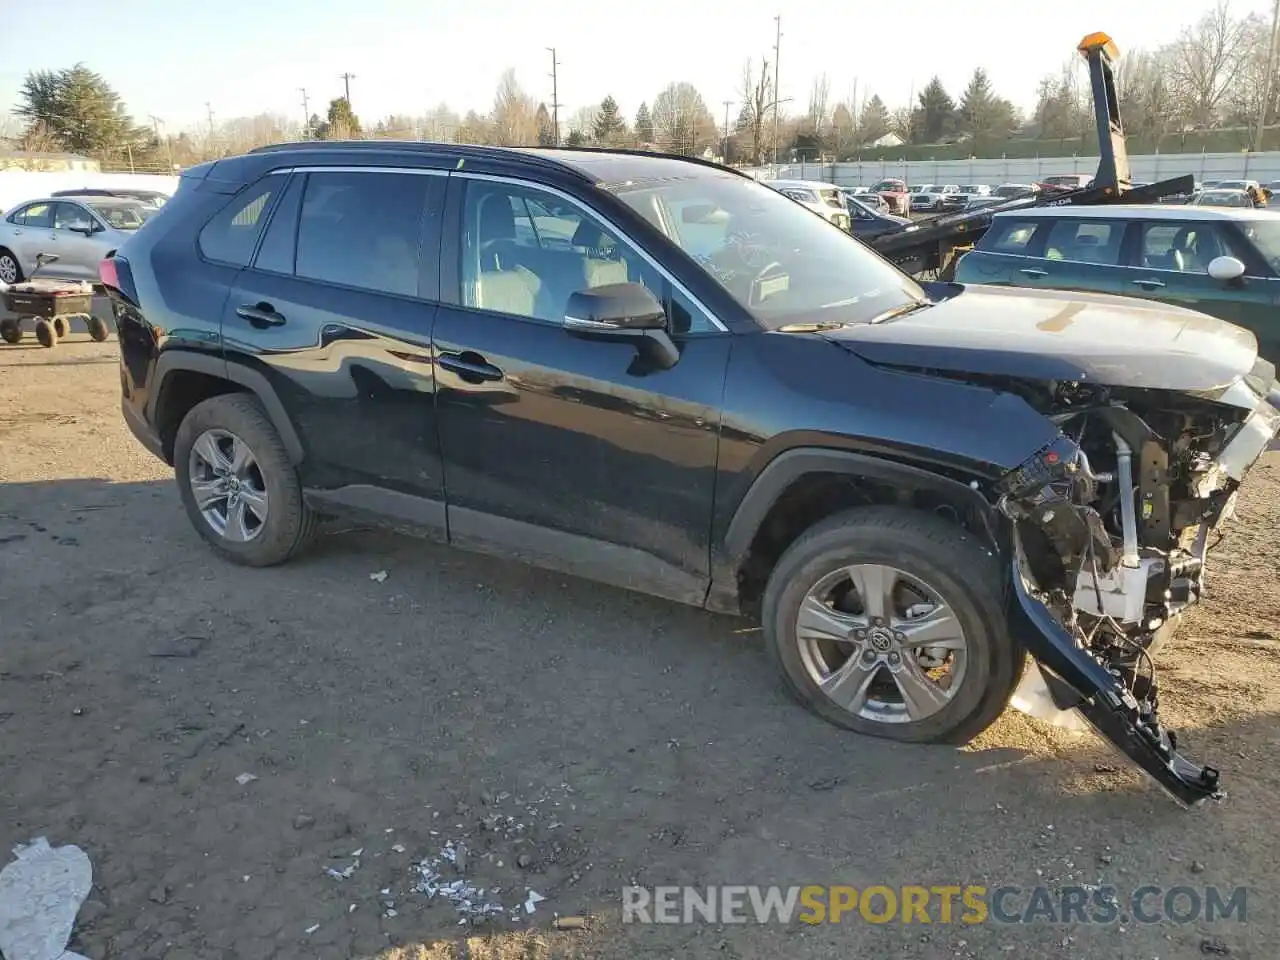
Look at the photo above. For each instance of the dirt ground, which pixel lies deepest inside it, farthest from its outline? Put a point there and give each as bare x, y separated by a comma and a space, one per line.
574, 738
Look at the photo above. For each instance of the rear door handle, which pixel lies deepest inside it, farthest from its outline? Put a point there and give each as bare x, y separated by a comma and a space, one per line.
1033, 272
470, 366
260, 314
1148, 284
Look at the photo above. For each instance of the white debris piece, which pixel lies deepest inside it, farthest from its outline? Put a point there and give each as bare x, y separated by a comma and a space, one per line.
357, 853
378, 576
397, 848
469, 900
311, 929
245, 778
40, 894
532, 900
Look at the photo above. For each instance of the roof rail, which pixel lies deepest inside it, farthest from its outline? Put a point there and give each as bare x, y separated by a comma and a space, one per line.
637, 152
420, 148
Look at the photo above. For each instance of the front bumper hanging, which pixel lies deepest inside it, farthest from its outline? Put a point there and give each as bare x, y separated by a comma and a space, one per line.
1076, 680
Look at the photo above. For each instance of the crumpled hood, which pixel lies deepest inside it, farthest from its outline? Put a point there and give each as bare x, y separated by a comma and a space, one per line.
1060, 335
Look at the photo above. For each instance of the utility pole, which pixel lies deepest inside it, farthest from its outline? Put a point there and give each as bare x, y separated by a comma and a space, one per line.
724, 152
209, 107
555, 95
306, 114
346, 87
1266, 86
168, 144
777, 91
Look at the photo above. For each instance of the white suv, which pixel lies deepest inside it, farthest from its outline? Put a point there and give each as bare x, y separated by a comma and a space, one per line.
822, 198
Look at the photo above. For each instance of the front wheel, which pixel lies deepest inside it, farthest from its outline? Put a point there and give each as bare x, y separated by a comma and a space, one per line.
890, 622
236, 480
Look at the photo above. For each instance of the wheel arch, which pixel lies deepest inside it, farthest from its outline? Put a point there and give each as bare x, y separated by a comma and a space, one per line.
185, 378
803, 485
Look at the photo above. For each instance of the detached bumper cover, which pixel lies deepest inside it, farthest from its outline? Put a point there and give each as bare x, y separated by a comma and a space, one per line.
1077, 680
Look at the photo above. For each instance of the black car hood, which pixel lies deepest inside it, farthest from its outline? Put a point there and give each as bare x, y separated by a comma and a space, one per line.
1059, 335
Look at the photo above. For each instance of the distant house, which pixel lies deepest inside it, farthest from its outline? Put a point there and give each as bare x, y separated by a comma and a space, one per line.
39, 161
888, 140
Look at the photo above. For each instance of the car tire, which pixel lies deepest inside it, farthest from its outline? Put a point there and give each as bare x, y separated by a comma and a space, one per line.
268, 477
9, 267
924, 549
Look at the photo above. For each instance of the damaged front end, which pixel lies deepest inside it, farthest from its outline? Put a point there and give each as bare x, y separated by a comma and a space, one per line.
1110, 531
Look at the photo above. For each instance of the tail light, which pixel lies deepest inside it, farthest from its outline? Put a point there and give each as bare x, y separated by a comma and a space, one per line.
116, 276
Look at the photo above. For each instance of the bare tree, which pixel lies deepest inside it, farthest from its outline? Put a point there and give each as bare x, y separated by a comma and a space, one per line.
819, 101
681, 121
1206, 60
1148, 104
757, 100
583, 120
1243, 100
514, 121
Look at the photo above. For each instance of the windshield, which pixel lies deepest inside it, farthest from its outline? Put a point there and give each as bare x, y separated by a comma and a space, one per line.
122, 214
773, 256
1222, 198
1232, 185
889, 186
1265, 235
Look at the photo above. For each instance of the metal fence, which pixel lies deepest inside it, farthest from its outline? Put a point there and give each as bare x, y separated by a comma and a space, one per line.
1263, 167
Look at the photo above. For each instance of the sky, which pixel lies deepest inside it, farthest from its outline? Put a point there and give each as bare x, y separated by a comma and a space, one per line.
178, 59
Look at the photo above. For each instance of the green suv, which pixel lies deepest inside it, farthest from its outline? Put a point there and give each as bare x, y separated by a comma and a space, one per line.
1223, 262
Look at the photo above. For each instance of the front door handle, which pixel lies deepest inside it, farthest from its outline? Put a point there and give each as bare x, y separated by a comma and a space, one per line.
470, 366
1148, 284
1034, 272
260, 314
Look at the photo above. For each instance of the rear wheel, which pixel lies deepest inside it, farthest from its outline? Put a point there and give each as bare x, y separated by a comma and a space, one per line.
890, 622
61, 326
238, 484
97, 328
10, 330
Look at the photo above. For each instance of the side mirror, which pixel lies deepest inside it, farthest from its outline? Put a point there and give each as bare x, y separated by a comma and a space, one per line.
1226, 268
624, 311
82, 226
615, 309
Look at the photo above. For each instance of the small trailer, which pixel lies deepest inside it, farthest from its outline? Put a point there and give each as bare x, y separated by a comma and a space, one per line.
50, 305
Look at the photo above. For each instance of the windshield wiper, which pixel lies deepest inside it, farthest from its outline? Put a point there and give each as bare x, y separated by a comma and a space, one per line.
901, 311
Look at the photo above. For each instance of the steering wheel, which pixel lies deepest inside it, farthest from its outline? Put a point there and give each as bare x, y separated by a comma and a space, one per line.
761, 276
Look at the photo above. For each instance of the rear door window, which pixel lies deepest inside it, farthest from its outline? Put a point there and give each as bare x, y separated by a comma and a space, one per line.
363, 229
233, 233
1085, 241
1010, 236
1182, 247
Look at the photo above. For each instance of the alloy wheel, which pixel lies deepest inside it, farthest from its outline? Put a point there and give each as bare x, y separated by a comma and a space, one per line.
227, 484
8, 269
881, 643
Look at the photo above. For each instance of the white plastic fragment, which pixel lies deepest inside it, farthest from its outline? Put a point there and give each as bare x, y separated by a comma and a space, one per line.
532, 900
397, 848
351, 908
378, 576
356, 853
245, 778
40, 894
311, 929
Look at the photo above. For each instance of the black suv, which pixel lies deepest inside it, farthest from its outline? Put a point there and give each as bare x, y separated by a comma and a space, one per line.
658, 373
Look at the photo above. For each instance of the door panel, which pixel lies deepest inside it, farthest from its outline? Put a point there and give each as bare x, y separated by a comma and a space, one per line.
78, 255
353, 366
1172, 263
34, 236
571, 452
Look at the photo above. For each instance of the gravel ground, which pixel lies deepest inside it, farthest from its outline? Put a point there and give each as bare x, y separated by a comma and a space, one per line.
627, 739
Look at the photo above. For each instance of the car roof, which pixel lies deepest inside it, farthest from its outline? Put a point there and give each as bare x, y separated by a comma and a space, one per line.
1139, 211
602, 167
811, 184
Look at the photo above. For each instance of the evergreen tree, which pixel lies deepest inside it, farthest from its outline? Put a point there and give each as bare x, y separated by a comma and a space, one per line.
609, 123
78, 110
644, 124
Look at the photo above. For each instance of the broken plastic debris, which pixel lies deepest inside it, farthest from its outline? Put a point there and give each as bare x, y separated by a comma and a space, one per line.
469, 900
351, 908
245, 778
40, 895
532, 900
356, 853
390, 914
344, 874
311, 929
378, 576
397, 848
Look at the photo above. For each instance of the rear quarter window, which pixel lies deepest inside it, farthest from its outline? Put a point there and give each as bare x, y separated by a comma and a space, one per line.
1085, 241
1013, 236
233, 232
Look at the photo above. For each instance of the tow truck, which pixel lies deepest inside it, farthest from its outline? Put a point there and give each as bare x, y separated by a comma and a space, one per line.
930, 248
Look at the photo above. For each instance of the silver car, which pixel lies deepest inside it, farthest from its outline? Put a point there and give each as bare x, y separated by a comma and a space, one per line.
82, 232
